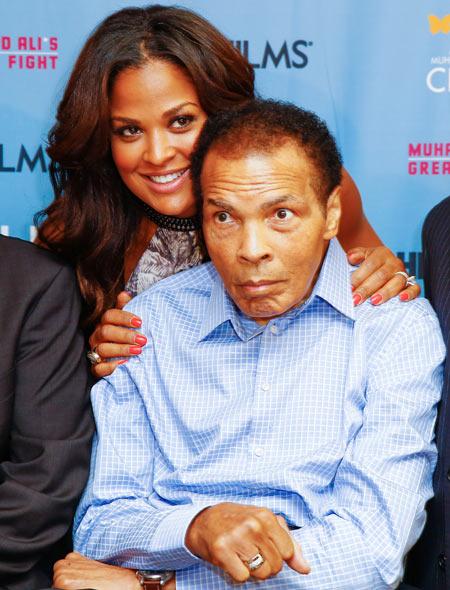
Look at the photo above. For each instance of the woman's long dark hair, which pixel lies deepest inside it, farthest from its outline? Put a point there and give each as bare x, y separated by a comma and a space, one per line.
93, 219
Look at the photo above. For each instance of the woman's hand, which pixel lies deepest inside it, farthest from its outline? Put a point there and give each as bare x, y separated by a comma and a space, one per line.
76, 571
376, 277
115, 336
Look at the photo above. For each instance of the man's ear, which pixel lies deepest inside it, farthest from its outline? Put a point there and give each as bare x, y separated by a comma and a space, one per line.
333, 214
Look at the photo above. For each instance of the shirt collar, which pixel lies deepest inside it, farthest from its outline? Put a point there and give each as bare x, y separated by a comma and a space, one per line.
219, 308
333, 286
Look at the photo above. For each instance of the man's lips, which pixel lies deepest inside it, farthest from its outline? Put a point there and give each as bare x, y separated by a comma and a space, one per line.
257, 287
169, 182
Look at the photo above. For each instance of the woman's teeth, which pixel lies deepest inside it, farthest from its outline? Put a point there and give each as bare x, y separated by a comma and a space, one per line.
163, 179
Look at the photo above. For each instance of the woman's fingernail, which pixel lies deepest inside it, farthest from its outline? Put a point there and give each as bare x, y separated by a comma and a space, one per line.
135, 350
376, 299
136, 322
403, 296
141, 340
357, 299
122, 362
353, 287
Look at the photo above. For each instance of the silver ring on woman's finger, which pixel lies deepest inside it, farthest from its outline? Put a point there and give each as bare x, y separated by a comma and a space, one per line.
93, 357
255, 562
409, 280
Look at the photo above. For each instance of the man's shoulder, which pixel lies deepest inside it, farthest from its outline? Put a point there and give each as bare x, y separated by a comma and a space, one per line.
397, 320
30, 263
394, 310
438, 217
186, 289
440, 213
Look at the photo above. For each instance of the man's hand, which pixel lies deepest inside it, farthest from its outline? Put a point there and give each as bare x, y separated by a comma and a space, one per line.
229, 535
76, 571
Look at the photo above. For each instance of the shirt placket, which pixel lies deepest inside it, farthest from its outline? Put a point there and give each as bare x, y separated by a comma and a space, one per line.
263, 395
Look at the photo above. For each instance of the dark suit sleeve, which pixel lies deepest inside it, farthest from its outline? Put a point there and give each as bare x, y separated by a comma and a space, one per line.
436, 252
47, 466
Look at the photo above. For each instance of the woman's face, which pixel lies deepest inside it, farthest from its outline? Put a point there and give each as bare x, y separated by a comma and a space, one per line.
156, 118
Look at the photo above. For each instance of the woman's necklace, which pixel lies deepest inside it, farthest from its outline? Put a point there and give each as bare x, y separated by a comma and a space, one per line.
171, 221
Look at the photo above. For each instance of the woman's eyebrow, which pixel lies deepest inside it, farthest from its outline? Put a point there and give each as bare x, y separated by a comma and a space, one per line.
174, 110
125, 120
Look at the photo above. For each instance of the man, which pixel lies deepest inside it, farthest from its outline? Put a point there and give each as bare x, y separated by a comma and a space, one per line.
270, 429
429, 565
45, 418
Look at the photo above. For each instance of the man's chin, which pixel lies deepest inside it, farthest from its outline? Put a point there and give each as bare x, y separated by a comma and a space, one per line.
262, 314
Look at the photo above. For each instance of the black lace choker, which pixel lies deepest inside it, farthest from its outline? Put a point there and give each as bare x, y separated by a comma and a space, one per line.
171, 221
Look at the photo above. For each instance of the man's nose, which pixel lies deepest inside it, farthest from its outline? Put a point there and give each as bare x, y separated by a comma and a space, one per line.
159, 148
254, 246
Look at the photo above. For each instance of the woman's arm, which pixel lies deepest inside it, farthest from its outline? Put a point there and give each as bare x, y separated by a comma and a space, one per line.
377, 277
354, 230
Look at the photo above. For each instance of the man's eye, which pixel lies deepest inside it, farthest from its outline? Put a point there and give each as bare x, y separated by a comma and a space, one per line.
182, 121
283, 214
223, 217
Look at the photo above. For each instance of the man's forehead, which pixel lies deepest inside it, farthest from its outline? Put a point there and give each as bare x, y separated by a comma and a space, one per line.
283, 170
255, 157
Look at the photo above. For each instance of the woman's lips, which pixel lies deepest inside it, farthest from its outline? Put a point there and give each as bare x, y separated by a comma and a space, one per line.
166, 183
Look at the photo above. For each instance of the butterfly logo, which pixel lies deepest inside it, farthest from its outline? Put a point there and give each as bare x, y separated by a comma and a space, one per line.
439, 25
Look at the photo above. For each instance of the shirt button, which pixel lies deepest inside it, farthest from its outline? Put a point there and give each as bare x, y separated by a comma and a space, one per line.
259, 452
265, 387
448, 475
442, 561
274, 329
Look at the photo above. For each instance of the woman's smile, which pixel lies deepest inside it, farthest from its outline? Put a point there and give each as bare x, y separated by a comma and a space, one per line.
156, 118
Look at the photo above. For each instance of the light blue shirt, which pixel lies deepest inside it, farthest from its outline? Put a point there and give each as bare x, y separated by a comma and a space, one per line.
325, 415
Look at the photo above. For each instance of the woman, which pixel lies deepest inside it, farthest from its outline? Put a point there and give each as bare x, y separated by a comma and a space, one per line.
123, 213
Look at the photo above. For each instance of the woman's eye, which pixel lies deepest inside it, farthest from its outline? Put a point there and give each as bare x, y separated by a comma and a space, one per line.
129, 131
182, 121
283, 214
223, 217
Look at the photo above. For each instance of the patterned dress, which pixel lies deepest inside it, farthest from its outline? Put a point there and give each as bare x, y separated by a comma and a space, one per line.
167, 253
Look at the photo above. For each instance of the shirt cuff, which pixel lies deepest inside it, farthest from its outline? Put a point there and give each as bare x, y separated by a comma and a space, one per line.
170, 536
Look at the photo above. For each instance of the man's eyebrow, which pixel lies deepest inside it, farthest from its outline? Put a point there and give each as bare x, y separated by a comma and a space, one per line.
282, 199
267, 205
219, 203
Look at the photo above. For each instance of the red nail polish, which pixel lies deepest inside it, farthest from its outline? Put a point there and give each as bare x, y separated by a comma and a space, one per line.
357, 299
136, 322
122, 362
135, 350
141, 340
376, 299
353, 287
403, 296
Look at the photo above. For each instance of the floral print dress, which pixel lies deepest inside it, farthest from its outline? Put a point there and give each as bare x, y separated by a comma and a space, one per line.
167, 253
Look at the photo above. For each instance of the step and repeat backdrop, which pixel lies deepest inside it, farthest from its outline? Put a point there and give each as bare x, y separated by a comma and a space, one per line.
377, 71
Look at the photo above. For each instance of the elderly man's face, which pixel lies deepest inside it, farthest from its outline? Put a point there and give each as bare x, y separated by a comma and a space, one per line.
265, 229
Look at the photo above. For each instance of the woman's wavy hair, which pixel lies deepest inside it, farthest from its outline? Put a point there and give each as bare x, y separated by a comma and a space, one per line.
94, 219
